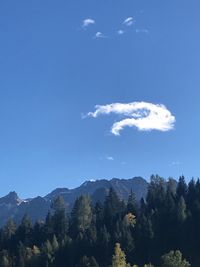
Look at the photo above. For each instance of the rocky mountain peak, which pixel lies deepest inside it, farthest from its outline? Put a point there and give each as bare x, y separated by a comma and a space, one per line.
11, 198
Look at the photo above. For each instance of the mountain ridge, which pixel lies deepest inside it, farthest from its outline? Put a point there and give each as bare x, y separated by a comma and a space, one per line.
11, 206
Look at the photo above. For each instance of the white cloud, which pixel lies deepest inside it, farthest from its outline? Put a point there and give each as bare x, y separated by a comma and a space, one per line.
142, 115
99, 35
120, 32
128, 21
87, 22
109, 158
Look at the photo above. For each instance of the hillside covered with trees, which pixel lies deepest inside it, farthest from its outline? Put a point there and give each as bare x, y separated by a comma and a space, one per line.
162, 231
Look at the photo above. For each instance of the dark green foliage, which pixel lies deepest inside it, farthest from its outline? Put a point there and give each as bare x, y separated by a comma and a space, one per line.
113, 209
87, 262
9, 229
131, 204
167, 220
182, 187
174, 259
181, 210
25, 230
81, 215
59, 221
4, 259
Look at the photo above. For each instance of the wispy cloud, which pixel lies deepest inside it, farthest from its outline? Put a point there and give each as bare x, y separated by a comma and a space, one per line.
145, 31
87, 22
99, 35
110, 158
120, 32
128, 21
175, 163
142, 115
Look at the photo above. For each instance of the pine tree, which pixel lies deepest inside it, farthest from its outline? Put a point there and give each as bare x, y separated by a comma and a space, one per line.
174, 259
181, 187
24, 231
9, 229
156, 193
113, 208
87, 262
55, 244
49, 226
125, 235
47, 252
144, 237
81, 215
119, 257
98, 212
181, 210
59, 218
131, 204
21, 255
4, 259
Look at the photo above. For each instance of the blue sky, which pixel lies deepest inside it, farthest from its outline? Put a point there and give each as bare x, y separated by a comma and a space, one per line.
52, 70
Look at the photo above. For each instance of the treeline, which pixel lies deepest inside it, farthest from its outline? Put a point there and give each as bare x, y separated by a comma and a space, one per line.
163, 230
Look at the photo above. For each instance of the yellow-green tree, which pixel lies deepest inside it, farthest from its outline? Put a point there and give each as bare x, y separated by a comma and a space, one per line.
174, 259
119, 257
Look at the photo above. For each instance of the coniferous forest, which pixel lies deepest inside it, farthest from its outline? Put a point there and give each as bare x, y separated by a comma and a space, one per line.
162, 230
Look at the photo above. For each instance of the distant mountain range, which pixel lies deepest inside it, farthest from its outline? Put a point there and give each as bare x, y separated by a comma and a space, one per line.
11, 206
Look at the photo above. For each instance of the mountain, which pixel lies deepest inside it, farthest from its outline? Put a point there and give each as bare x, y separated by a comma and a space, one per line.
11, 206
12, 199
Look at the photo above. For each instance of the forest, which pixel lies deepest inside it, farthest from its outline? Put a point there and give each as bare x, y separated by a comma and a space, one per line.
162, 230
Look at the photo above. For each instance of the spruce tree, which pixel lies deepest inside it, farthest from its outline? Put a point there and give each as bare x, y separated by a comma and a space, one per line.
131, 204
59, 218
113, 209
181, 187
81, 215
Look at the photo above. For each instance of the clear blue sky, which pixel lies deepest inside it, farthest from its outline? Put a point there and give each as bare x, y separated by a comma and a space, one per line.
52, 70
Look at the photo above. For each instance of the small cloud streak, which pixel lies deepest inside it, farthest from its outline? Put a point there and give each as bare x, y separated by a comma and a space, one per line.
175, 163
87, 22
109, 158
142, 115
128, 21
99, 35
120, 32
145, 31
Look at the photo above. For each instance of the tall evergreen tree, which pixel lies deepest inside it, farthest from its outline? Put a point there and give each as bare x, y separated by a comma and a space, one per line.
131, 204
181, 210
81, 215
9, 229
119, 257
21, 255
24, 231
59, 219
181, 187
88, 262
113, 208
156, 192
